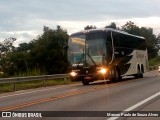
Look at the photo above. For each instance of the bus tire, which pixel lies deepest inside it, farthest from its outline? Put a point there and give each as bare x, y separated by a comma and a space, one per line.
139, 73
116, 76
142, 71
84, 82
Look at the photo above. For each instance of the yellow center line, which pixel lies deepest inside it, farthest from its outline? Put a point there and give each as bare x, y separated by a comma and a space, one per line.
34, 102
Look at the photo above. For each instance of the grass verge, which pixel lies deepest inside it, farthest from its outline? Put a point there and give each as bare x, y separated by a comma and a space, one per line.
154, 61
9, 87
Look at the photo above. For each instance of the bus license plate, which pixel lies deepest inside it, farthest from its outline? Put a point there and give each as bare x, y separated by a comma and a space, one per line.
87, 78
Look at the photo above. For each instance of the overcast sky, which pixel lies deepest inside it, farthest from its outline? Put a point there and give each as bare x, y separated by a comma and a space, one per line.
24, 19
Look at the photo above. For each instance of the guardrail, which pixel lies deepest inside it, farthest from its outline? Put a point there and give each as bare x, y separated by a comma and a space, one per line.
42, 78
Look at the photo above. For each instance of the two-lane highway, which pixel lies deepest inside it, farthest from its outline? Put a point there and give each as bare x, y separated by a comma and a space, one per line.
128, 95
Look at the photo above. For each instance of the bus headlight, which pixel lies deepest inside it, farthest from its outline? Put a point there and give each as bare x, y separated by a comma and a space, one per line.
103, 70
73, 74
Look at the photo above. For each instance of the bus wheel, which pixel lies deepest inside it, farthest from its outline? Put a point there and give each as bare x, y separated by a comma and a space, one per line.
139, 73
142, 71
84, 82
116, 76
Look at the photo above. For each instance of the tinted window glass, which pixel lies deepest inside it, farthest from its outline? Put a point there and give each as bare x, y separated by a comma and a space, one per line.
126, 41
95, 35
116, 39
141, 44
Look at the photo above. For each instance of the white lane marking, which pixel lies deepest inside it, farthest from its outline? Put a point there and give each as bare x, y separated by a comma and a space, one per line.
136, 105
63, 86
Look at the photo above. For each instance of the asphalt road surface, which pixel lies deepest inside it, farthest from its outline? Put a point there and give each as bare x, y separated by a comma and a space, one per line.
100, 100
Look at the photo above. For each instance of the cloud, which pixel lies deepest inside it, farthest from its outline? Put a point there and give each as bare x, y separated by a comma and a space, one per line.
21, 36
29, 17
74, 26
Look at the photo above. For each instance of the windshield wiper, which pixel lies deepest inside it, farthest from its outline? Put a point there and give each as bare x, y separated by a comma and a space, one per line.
90, 57
82, 58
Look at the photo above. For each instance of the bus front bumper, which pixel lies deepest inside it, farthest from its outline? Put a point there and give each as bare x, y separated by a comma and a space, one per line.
88, 77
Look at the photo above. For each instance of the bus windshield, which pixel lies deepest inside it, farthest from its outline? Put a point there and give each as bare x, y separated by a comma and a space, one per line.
95, 50
95, 44
89, 48
76, 49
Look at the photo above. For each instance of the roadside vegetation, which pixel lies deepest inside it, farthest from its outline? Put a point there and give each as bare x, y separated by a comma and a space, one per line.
9, 87
154, 61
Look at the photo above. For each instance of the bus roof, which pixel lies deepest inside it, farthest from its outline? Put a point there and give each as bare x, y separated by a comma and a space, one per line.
105, 30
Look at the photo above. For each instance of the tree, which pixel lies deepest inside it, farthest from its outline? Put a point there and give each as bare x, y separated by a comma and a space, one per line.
6, 48
112, 25
47, 55
90, 27
7, 45
158, 43
131, 28
24, 47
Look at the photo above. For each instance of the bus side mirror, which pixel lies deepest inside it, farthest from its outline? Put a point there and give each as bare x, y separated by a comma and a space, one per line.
65, 49
107, 44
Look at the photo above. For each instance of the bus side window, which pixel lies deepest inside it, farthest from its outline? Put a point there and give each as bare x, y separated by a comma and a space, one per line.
142, 44
109, 42
116, 39
109, 39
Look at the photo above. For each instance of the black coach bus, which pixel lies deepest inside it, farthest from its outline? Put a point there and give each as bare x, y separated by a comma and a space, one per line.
106, 53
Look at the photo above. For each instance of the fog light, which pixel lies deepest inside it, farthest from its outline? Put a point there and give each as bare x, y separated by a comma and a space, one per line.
73, 74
